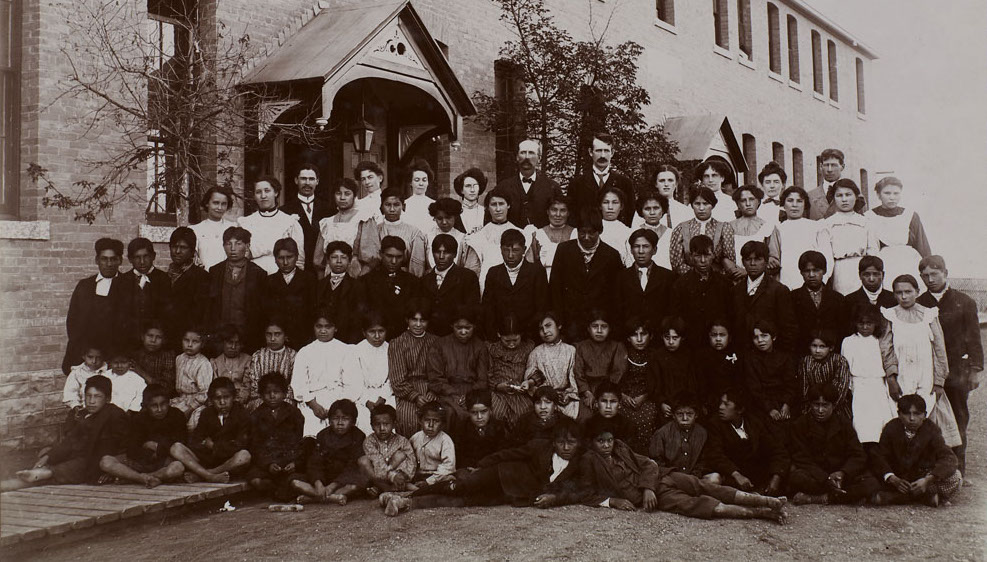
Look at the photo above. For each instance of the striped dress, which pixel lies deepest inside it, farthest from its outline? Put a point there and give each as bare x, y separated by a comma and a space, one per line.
407, 360
833, 370
507, 366
265, 361
555, 362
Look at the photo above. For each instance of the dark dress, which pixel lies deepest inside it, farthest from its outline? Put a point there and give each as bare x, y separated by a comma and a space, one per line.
640, 378
275, 438
771, 380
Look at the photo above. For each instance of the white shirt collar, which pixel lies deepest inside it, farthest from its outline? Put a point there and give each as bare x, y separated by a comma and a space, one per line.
753, 284
604, 173
938, 296
289, 276
872, 297
559, 464
741, 432
306, 200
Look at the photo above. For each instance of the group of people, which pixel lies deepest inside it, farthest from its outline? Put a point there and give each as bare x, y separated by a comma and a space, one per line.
593, 343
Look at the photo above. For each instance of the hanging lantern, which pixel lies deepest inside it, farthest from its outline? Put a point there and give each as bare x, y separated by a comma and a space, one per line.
363, 136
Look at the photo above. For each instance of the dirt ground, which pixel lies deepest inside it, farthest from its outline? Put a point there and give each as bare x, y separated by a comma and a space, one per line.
360, 531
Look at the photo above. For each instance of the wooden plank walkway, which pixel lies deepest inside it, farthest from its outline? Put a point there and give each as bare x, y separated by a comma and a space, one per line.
50, 511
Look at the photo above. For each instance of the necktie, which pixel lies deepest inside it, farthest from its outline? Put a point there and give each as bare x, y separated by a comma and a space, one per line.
600, 179
439, 278
526, 180
142, 280
335, 279
643, 274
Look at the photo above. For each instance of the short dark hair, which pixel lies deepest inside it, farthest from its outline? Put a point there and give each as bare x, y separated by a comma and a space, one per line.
669, 323
152, 391
845, 183
367, 165
604, 137
825, 391
824, 335
373, 318
339, 246
479, 396
288, 244
273, 181
754, 249
833, 153
590, 217
872, 261
183, 234
865, 311
720, 166
307, 166
754, 190
608, 387
389, 192
545, 392
345, 407
417, 305
431, 407
598, 313
221, 383
650, 235
341, 183
511, 236
446, 241
651, 195
812, 257
935, 262
323, 313
686, 399
598, 425
635, 323
475, 173
388, 242
273, 378
704, 193
104, 244
765, 326
447, 205
772, 168
384, 410
236, 233
100, 383
567, 427
737, 395
909, 401
701, 244
207, 196
621, 196
152, 324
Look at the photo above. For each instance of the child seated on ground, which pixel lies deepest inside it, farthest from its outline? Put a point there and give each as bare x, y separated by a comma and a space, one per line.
828, 462
598, 358
677, 373
823, 366
639, 385
607, 406
552, 364
217, 448
434, 449
274, 357
76, 458
275, 438
332, 472
484, 434
913, 460
154, 362
74, 391
193, 375
232, 363
769, 374
128, 386
687, 495
388, 460
679, 444
612, 474
153, 431
540, 422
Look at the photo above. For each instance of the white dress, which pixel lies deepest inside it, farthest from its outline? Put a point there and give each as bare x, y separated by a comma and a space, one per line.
547, 249
796, 237
483, 247
761, 235
616, 234
366, 378
369, 208
331, 230
472, 218
318, 375
265, 230
416, 212
725, 209
899, 258
913, 346
770, 211
872, 406
678, 213
845, 238
209, 241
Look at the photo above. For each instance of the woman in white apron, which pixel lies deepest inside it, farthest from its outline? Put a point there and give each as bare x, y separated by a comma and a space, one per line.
900, 231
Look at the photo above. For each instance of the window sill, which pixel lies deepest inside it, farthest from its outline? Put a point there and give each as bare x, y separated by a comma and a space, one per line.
669, 27
25, 230
156, 234
861, 116
722, 52
776, 77
818, 96
794, 85
742, 59
835, 104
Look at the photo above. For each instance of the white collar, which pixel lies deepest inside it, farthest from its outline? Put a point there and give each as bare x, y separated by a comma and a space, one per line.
99, 277
604, 173
534, 176
753, 284
306, 200
938, 296
872, 297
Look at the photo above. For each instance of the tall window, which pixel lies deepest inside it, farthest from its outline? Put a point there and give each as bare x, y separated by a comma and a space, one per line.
861, 106
817, 71
834, 90
864, 184
793, 50
509, 93
744, 28
750, 155
161, 205
797, 168
721, 23
10, 105
778, 153
665, 11
774, 39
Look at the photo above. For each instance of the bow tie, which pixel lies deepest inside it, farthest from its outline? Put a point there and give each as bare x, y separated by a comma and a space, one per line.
775, 201
527, 180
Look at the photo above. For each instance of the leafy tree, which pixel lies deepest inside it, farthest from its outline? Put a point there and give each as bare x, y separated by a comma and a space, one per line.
571, 90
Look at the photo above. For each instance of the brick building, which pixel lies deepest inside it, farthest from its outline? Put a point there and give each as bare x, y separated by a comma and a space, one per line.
786, 81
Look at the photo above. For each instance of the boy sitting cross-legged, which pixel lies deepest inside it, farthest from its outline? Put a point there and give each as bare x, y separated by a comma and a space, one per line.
217, 447
388, 460
275, 437
333, 474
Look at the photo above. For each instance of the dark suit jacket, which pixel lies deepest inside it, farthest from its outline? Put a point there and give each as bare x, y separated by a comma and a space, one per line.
344, 304
525, 299
525, 471
389, 296
460, 287
293, 304
771, 301
143, 305
187, 302
758, 457
601, 482
829, 446
961, 330
104, 433
584, 193
531, 207
819, 206
576, 288
913, 458
93, 320
832, 315
651, 303
321, 209
701, 302
884, 300
252, 333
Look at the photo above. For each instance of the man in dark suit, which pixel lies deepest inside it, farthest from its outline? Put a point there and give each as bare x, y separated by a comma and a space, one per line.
833, 163
448, 285
145, 291
291, 295
530, 191
309, 208
644, 288
237, 288
583, 275
871, 270
584, 190
94, 312
816, 305
189, 287
516, 287
702, 295
341, 295
961, 330
389, 288
760, 297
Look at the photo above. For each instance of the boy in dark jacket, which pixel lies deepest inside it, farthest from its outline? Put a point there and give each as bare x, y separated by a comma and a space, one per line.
217, 447
153, 431
275, 437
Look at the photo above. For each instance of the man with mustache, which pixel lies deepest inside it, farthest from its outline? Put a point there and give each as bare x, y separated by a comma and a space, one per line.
530, 191
584, 190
